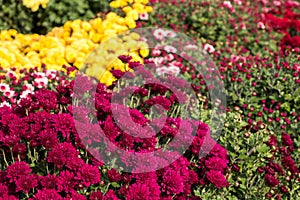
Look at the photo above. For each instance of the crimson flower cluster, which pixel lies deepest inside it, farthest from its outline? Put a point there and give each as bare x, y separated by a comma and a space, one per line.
43, 156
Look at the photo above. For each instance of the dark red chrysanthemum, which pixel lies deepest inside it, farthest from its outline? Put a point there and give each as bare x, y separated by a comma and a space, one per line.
16, 170
271, 180
96, 195
88, 175
47, 194
3, 190
217, 178
172, 182
26, 182
216, 163
138, 191
114, 175
49, 181
48, 138
61, 154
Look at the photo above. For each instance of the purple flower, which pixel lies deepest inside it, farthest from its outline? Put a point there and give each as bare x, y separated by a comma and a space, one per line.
114, 175
96, 195
61, 154
125, 58
46, 99
110, 195
49, 181
47, 194
172, 182
217, 178
286, 139
26, 182
63, 123
88, 175
48, 138
74, 195
117, 73
17, 169
216, 163
138, 191
3, 190
271, 180
66, 181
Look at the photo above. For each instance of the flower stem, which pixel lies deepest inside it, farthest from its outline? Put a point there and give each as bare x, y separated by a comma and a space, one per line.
4, 158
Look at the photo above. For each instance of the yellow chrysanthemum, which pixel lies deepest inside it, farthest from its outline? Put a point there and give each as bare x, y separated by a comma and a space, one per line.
133, 14
34, 4
76, 40
130, 23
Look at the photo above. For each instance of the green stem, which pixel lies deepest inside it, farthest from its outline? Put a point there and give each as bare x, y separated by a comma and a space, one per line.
29, 152
106, 189
12, 155
4, 158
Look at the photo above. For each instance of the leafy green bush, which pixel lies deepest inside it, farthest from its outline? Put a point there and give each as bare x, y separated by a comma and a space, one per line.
13, 15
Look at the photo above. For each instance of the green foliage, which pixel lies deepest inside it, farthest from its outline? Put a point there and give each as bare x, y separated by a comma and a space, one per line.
212, 23
13, 15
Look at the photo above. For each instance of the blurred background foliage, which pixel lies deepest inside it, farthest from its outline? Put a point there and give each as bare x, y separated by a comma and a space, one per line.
14, 15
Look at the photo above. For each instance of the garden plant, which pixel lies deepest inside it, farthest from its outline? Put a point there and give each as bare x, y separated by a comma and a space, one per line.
149, 99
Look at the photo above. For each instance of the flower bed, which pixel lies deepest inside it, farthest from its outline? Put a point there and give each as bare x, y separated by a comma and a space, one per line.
44, 157
50, 139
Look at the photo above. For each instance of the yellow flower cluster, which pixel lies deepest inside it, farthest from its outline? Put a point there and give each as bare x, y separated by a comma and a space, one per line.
132, 8
72, 43
105, 57
35, 4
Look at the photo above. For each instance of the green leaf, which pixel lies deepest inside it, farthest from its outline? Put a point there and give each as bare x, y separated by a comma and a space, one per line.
262, 148
243, 123
115, 184
288, 97
297, 92
243, 156
286, 106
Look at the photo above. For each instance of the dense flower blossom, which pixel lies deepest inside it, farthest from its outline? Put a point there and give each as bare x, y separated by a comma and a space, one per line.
114, 175
271, 180
16, 170
110, 195
26, 182
88, 175
75, 195
286, 139
41, 130
216, 163
49, 181
47, 194
96, 195
48, 138
217, 178
66, 182
61, 154
172, 183
138, 191
3, 190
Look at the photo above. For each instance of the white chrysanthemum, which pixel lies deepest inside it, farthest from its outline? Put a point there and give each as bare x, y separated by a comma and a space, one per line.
161, 70
170, 33
209, 48
41, 82
4, 87
173, 70
170, 49
144, 16
9, 93
159, 34
5, 104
